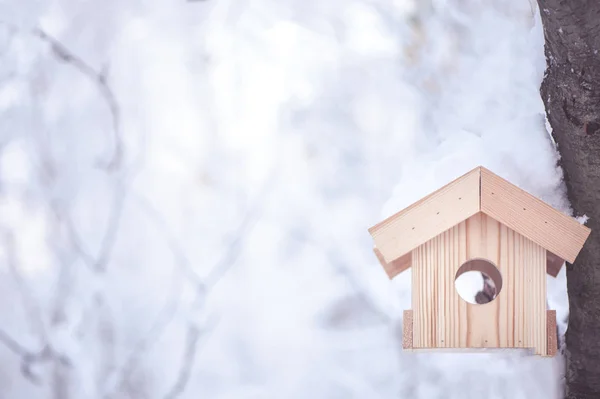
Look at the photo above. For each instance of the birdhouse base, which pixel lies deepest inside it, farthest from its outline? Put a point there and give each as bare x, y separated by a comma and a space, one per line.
407, 338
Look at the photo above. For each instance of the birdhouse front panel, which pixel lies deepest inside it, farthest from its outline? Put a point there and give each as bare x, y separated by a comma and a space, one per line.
515, 318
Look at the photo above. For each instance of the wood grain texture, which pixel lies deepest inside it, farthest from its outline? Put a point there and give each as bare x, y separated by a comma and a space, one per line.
392, 269
551, 331
395, 267
407, 330
531, 217
516, 318
401, 233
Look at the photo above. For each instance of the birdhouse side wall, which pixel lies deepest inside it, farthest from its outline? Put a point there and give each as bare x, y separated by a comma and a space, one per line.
515, 318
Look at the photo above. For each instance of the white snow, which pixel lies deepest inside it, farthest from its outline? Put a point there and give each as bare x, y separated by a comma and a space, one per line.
261, 140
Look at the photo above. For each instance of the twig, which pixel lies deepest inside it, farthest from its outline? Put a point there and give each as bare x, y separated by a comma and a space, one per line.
193, 335
110, 235
343, 269
339, 262
44, 355
234, 247
62, 291
181, 259
12, 344
223, 265
98, 263
163, 319
167, 314
187, 363
63, 54
30, 358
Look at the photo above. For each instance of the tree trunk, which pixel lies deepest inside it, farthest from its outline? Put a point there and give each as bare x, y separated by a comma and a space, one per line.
571, 94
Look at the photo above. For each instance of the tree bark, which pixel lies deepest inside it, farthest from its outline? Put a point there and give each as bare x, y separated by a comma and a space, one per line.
571, 94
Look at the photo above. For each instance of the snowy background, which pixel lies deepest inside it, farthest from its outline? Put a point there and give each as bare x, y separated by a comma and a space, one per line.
186, 187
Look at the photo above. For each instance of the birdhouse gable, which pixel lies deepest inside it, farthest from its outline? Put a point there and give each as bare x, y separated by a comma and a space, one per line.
479, 190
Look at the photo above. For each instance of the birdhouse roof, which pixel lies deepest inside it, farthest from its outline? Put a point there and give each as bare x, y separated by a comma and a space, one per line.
479, 190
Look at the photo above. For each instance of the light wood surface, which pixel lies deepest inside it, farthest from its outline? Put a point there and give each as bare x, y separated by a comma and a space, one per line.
515, 318
478, 190
401, 233
392, 269
531, 217
395, 267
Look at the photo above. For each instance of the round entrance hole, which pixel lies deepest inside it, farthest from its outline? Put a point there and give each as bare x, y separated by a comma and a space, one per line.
478, 281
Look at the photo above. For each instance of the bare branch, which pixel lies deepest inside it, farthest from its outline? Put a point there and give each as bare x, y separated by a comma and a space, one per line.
30, 358
190, 350
27, 357
110, 235
189, 353
62, 291
12, 344
98, 263
46, 354
236, 238
339, 262
163, 319
167, 313
358, 288
181, 259
99, 79
63, 54
222, 266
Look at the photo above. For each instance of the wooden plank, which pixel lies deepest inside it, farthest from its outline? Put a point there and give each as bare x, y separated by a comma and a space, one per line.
401, 233
439, 315
553, 264
407, 330
395, 267
531, 217
551, 330
516, 318
462, 351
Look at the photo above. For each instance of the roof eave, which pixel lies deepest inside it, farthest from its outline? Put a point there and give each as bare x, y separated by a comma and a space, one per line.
475, 191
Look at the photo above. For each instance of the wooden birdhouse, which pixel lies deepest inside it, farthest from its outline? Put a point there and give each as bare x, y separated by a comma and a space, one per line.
484, 223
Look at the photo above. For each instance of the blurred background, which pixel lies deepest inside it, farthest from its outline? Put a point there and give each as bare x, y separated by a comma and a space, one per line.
186, 187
